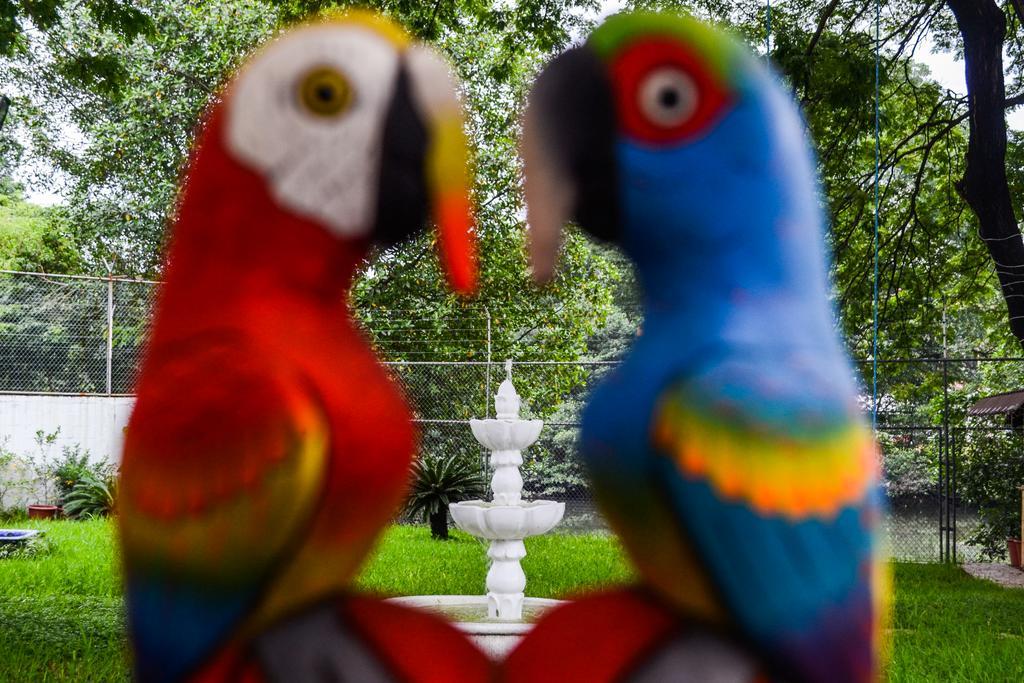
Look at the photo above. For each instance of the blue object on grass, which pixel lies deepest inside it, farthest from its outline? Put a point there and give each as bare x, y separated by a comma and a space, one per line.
17, 535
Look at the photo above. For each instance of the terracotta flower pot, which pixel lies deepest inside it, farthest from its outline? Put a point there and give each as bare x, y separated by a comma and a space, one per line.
1013, 545
43, 511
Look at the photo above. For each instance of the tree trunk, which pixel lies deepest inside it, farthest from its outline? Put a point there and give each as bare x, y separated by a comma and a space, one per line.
984, 186
439, 525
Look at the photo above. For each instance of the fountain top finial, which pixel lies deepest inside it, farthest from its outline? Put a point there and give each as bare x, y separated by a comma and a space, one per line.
506, 402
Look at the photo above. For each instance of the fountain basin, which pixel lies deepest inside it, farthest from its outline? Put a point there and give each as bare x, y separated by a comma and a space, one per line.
502, 522
506, 434
469, 614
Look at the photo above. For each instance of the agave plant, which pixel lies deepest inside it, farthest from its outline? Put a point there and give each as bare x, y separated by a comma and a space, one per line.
439, 481
93, 496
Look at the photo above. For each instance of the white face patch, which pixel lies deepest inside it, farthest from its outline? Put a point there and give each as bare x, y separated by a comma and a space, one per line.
433, 86
322, 166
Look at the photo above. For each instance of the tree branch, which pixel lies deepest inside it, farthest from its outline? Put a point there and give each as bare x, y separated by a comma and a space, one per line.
1018, 7
984, 186
826, 14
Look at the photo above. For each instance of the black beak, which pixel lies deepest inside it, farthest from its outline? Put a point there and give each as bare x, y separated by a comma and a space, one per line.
402, 195
569, 154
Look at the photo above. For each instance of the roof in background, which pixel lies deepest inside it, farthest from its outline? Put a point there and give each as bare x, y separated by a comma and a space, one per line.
1000, 404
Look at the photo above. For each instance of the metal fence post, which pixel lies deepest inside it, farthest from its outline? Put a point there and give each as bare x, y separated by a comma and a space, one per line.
487, 388
949, 501
947, 443
952, 504
110, 333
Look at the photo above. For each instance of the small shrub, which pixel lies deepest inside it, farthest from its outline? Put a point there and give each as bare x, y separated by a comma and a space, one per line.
990, 474
910, 466
93, 496
14, 513
14, 477
72, 466
552, 467
41, 465
552, 474
438, 482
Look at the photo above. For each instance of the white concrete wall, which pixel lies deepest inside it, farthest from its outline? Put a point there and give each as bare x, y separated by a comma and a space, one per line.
95, 422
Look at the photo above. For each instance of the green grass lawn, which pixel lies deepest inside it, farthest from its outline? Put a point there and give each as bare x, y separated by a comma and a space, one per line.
60, 610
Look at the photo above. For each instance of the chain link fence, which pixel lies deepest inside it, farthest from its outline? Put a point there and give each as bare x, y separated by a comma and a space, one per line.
81, 335
63, 334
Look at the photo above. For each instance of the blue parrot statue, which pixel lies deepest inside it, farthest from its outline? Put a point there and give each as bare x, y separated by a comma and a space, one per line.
727, 450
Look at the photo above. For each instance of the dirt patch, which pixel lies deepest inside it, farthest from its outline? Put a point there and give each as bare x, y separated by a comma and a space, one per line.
1003, 574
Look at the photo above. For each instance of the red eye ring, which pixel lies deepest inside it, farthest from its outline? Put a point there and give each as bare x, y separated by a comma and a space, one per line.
691, 100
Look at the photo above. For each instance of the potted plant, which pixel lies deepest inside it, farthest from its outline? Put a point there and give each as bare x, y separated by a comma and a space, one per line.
1013, 544
1013, 549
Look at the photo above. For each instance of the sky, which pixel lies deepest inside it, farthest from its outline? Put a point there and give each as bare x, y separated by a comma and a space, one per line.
949, 72
944, 67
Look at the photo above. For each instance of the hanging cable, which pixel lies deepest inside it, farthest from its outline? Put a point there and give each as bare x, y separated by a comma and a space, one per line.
878, 153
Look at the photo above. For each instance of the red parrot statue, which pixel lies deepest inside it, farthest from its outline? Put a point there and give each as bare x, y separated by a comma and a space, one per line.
268, 446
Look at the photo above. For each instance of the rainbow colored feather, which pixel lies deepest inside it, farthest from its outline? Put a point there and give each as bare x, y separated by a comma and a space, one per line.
780, 474
808, 500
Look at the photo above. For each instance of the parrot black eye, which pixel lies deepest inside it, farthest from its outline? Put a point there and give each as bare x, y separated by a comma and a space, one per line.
325, 91
668, 97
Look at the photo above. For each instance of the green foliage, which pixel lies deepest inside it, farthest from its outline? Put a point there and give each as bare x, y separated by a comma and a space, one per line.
402, 299
910, 466
438, 481
554, 473
58, 477
34, 238
137, 114
13, 478
552, 467
93, 495
16, 513
17, 16
990, 474
135, 138
70, 468
42, 464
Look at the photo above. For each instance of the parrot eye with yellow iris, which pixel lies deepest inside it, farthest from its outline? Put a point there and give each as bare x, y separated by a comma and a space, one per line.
325, 92
664, 93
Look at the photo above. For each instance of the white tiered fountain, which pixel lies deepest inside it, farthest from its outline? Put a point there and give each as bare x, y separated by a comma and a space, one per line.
507, 519
504, 521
